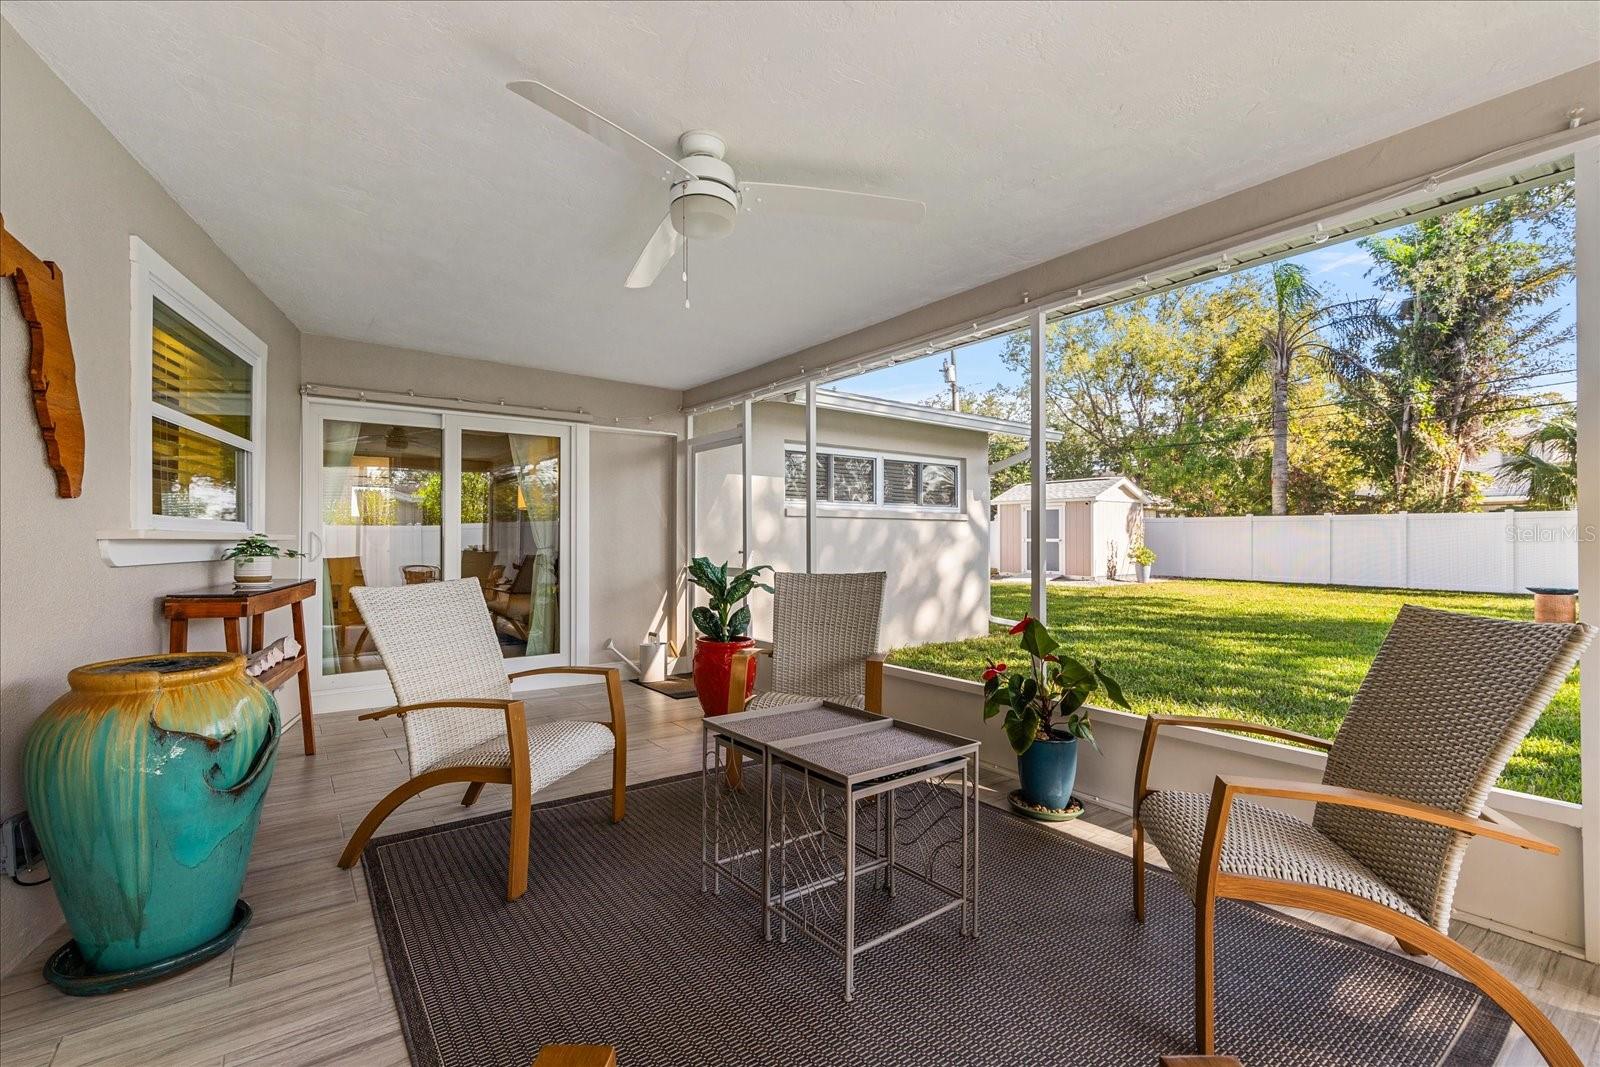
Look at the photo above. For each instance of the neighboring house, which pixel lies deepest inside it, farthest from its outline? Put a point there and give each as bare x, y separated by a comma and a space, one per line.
902, 488
1090, 525
1503, 489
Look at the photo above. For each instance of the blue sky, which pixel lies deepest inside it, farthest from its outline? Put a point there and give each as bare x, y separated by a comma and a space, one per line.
1338, 269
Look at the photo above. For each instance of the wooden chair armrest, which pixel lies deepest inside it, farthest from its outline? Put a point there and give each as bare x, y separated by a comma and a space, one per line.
1490, 824
738, 670
401, 709
874, 688
613, 677
1239, 726
1154, 723
601, 671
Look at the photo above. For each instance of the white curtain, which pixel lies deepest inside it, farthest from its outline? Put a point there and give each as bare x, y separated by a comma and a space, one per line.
339, 441
541, 497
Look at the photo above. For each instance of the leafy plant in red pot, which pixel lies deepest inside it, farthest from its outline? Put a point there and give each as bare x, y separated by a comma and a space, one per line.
1045, 717
724, 623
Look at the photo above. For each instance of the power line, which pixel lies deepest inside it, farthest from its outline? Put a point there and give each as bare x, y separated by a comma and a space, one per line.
1258, 417
1193, 442
1338, 403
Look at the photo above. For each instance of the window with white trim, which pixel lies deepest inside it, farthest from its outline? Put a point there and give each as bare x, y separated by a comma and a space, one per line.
868, 479
199, 381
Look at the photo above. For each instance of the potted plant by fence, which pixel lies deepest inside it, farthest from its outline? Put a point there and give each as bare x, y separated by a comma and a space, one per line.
252, 558
1045, 717
1143, 556
724, 624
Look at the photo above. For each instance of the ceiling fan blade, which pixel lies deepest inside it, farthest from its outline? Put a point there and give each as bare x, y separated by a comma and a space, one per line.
602, 129
658, 252
807, 199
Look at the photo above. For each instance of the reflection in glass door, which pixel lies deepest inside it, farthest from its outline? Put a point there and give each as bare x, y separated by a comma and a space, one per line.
510, 534
378, 484
395, 496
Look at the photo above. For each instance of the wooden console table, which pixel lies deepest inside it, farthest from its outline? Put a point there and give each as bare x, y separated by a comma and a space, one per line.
232, 603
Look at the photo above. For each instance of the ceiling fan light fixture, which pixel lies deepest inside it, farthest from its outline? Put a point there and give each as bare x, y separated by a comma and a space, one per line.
704, 216
706, 192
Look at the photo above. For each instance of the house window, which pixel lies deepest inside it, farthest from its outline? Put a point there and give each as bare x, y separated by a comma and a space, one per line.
198, 387
864, 479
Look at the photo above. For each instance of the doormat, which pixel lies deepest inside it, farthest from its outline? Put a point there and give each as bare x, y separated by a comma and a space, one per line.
676, 686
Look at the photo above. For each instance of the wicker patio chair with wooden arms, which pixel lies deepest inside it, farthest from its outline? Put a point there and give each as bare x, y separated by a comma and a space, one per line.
1447, 700
443, 658
824, 643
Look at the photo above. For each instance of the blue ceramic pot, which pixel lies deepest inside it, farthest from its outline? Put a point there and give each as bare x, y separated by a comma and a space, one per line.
145, 784
1048, 771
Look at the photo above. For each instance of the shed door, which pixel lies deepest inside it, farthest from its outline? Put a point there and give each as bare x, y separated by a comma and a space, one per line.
1052, 540
1079, 540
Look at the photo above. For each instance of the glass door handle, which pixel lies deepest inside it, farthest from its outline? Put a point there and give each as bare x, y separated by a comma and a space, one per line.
316, 553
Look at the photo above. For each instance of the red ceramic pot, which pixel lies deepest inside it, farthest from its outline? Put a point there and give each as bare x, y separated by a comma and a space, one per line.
713, 666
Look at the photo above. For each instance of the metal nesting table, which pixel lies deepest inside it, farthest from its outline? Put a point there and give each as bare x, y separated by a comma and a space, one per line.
785, 817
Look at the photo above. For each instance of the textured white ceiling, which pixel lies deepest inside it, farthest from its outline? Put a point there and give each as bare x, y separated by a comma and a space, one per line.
363, 163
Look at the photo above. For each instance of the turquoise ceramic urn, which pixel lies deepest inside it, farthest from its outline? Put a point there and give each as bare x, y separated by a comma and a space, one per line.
145, 785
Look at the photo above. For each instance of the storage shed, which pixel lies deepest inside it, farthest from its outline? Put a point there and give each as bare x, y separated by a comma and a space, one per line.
1090, 525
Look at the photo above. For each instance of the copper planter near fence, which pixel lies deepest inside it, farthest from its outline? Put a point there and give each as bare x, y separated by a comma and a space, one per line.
145, 784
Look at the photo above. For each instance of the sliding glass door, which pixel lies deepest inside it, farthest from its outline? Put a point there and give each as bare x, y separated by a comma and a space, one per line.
398, 496
511, 529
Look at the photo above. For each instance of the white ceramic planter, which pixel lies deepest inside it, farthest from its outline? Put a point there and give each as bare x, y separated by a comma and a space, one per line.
248, 570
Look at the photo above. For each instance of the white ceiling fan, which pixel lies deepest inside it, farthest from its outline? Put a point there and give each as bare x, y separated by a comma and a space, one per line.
706, 195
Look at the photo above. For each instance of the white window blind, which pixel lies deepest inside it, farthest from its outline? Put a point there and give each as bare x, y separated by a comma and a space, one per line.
866, 480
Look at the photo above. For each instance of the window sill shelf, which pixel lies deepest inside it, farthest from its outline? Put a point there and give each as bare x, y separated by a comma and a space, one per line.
843, 511
143, 548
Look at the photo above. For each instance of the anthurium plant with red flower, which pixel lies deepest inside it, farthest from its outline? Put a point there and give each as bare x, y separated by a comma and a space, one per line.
1047, 700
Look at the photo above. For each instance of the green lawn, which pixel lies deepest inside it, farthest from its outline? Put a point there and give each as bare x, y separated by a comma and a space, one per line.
1286, 654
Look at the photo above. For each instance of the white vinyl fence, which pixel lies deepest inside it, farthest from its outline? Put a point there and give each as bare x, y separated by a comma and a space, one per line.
1493, 552
384, 550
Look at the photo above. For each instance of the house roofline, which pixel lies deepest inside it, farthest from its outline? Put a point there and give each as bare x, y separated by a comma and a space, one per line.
1141, 495
834, 400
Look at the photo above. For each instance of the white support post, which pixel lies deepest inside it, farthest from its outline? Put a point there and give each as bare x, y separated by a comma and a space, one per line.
1586, 160
747, 471
1036, 515
811, 477
682, 620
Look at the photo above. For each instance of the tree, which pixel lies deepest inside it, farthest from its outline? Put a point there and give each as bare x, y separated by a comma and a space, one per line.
1547, 460
1169, 391
1067, 458
474, 497
1470, 294
1298, 315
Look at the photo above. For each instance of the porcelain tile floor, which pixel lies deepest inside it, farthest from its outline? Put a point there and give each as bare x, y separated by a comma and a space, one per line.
306, 983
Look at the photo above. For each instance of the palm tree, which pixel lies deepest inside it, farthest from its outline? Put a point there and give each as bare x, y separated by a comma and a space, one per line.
1298, 315
1547, 459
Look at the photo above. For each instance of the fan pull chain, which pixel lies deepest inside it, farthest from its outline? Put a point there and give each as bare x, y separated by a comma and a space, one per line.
686, 274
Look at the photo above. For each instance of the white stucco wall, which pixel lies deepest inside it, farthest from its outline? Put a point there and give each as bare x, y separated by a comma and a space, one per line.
937, 587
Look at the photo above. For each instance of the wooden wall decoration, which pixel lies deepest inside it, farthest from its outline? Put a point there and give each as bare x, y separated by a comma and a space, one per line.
42, 295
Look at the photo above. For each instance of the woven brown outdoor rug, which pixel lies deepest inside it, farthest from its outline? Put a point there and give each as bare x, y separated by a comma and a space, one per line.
615, 944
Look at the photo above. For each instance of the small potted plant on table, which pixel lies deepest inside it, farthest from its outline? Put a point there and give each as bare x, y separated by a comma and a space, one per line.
724, 623
252, 558
1045, 717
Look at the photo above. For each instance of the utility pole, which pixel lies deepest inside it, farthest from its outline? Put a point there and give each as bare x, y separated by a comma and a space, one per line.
950, 378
